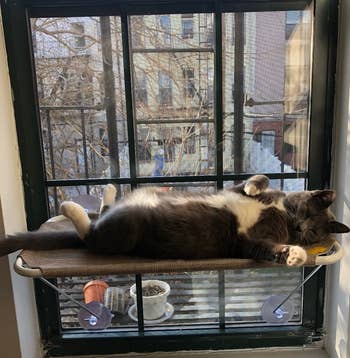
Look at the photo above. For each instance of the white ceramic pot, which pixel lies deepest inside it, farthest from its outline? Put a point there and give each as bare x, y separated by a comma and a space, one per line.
153, 306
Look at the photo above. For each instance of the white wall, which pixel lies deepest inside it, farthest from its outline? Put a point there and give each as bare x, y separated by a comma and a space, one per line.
20, 333
337, 311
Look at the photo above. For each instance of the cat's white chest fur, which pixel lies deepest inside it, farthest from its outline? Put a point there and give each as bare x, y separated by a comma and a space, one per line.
246, 209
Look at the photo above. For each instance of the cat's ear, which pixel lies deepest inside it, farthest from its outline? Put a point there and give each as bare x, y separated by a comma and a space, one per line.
322, 199
337, 228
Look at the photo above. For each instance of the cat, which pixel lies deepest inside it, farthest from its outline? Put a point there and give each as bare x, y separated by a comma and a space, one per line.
246, 221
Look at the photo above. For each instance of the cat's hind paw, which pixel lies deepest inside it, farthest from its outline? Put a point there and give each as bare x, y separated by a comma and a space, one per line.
78, 216
109, 195
256, 185
251, 189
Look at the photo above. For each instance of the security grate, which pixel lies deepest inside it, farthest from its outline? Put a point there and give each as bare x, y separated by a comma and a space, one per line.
195, 297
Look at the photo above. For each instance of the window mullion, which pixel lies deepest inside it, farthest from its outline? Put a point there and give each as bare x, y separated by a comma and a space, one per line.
128, 97
219, 137
218, 95
139, 303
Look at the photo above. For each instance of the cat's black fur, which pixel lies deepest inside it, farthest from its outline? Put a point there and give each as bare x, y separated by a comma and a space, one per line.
187, 225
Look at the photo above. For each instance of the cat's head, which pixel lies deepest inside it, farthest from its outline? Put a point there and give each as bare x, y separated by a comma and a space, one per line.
313, 221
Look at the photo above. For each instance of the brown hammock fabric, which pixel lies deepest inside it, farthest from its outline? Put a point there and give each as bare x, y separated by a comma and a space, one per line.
79, 262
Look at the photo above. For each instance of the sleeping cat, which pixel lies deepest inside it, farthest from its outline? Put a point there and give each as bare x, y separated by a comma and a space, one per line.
246, 221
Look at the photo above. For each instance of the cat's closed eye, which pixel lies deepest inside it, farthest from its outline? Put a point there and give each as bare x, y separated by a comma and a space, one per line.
297, 228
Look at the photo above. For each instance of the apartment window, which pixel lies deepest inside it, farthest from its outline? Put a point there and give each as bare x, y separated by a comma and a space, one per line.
144, 152
141, 90
78, 30
224, 307
165, 26
103, 141
189, 86
293, 18
137, 23
165, 89
268, 141
187, 26
189, 138
169, 151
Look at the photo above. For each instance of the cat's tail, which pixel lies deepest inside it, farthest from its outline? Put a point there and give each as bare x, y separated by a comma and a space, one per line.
40, 240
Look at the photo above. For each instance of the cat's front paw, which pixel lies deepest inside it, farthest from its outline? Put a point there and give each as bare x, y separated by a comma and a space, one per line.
292, 256
297, 256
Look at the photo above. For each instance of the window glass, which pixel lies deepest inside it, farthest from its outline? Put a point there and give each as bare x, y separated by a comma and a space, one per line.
187, 26
179, 80
266, 90
80, 85
266, 100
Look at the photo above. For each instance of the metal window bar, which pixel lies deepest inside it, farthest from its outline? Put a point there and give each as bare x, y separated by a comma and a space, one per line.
218, 105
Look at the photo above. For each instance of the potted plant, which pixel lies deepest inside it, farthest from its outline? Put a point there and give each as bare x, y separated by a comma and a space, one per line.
154, 297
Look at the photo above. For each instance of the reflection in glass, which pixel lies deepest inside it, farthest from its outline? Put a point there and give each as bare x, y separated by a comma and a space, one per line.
247, 290
267, 68
88, 196
174, 149
173, 74
79, 76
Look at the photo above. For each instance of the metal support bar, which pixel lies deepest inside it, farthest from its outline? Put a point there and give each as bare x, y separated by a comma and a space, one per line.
218, 97
222, 299
172, 50
302, 283
168, 179
69, 297
139, 303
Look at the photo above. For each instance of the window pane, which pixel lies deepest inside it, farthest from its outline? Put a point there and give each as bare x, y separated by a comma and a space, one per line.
193, 297
121, 300
175, 149
186, 31
88, 196
203, 187
173, 72
247, 290
266, 91
80, 86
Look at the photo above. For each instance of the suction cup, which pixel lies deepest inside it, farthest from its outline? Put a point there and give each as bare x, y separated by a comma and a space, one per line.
102, 319
282, 315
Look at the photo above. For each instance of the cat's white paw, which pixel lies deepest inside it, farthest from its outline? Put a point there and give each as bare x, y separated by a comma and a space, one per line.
109, 195
70, 209
77, 215
251, 189
296, 256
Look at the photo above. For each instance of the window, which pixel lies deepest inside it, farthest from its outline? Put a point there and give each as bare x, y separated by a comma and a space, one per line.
187, 26
268, 141
189, 137
165, 26
141, 90
79, 37
169, 151
137, 35
103, 142
293, 18
189, 86
144, 152
133, 145
165, 89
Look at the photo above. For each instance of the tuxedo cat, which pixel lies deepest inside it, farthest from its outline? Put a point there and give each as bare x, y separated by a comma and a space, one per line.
246, 221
